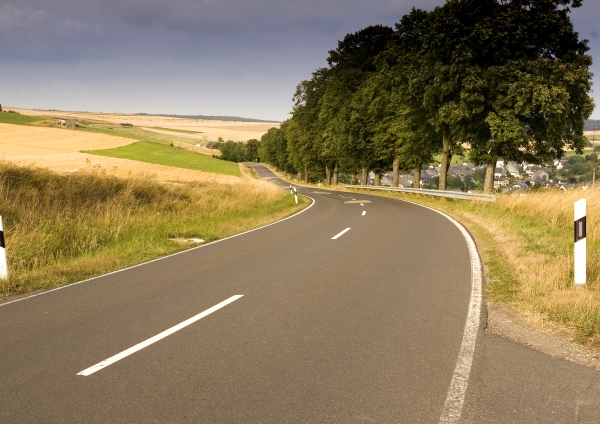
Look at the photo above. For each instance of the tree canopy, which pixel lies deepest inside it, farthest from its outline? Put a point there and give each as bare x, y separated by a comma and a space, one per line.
495, 78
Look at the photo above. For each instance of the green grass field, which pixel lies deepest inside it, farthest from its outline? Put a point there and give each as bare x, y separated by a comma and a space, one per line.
169, 156
15, 118
456, 159
179, 131
586, 151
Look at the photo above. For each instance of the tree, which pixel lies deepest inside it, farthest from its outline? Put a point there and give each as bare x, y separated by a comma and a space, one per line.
273, 148
252, 148
305, 130
393, 101
523, 94
347, 136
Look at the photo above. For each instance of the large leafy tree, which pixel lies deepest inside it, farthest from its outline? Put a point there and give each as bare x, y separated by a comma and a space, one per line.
273, 148
513, 79
345, 132
402, 130
305, 130
536, 93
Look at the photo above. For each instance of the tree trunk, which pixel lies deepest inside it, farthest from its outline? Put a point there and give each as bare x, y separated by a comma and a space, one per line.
377, 179
306, 174
417, 177
488, 184
327, 175
353, 179
446, 158
298, 176
396, 172
336, 174
364, 176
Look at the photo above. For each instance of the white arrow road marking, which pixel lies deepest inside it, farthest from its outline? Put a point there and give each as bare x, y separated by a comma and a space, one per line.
151, 340
340, 234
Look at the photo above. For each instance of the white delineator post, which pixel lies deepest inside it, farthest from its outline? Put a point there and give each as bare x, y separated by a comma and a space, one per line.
580, 243
3, 262
293, 191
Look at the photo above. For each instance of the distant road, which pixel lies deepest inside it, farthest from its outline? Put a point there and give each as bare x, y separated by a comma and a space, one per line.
352, 311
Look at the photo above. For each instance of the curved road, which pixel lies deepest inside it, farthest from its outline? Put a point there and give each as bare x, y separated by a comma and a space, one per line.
363, 327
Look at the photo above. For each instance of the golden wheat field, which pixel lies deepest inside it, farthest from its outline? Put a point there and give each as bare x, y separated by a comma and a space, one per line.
58, 149
207, 129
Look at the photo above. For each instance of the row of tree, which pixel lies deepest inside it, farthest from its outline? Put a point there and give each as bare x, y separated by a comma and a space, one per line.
239, 152
492, 78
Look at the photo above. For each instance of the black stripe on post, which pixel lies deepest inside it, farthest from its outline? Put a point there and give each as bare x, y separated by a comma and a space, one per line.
580, 230
2, 239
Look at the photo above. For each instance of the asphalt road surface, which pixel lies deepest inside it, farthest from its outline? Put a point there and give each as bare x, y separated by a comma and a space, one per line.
352, 311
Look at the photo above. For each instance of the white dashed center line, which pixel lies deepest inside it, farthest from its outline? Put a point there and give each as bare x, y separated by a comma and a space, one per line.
364, 213
340, 234
140, 346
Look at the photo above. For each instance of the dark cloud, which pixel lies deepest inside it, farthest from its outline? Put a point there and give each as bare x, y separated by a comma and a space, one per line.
183, 56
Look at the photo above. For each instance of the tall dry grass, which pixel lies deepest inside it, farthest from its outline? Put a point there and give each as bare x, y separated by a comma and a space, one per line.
543, 257
62, 228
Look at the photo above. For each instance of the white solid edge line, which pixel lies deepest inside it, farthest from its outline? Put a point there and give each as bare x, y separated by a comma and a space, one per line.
340, 234
460, 379
162, 257
160, 336
364, 213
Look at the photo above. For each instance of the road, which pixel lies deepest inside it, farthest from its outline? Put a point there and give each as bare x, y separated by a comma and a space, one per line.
352, 311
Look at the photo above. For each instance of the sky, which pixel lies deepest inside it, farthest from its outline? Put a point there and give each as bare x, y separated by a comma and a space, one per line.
189, 57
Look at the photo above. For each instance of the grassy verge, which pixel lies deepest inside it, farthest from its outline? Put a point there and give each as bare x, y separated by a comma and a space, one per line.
64, 228
170, 156
179, 131
526, 245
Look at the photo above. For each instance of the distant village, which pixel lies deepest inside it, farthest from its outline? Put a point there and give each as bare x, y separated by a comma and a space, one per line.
566, 173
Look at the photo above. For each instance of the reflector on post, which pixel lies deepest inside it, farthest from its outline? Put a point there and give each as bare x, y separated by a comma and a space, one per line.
580, 251
3, 262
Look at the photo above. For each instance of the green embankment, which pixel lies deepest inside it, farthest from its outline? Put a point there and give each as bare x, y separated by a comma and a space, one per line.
18, 119
166, 155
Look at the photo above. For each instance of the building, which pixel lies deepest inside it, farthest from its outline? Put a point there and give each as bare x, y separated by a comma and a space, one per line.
70, 123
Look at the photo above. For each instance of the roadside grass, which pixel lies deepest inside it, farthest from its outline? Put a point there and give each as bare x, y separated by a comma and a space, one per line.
179, 131
18, 119
61, 229
170, 156
526, 246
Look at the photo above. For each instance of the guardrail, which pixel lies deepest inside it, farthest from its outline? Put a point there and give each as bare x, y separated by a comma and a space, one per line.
438, 193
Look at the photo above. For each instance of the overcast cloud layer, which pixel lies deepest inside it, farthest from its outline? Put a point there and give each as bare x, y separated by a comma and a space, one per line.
209, 57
